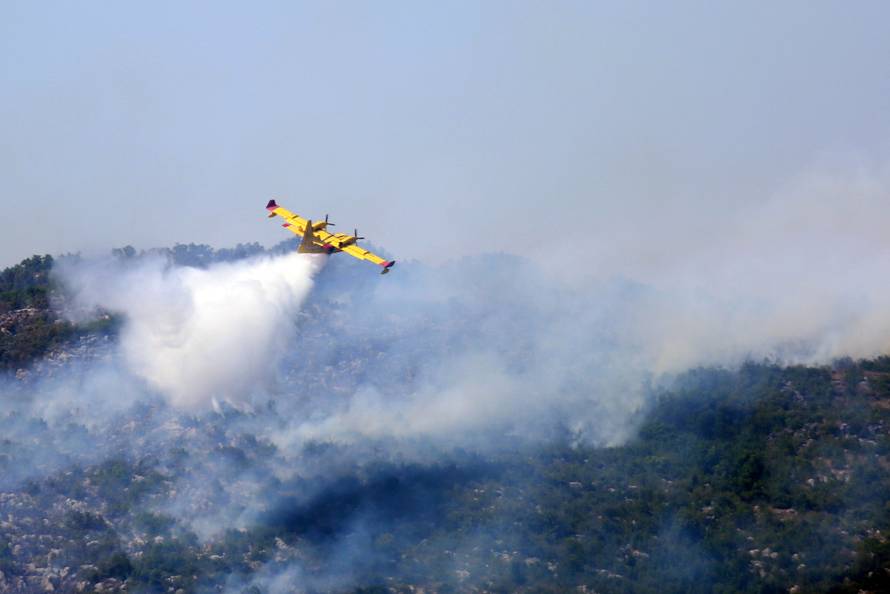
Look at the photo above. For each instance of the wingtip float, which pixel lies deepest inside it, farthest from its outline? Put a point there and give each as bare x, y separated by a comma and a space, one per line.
317, 240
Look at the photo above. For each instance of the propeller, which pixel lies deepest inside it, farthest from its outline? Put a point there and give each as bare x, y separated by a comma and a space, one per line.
356, 235
326, 223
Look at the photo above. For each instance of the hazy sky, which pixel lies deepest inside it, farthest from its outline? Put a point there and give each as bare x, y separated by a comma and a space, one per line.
618, 134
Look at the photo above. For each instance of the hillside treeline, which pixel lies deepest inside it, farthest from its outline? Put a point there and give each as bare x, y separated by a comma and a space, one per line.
765, 478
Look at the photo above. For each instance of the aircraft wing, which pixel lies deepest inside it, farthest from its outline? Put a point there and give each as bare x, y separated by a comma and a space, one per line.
361, 253
293, 222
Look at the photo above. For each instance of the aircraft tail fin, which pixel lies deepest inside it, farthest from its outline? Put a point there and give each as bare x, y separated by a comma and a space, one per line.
308, 245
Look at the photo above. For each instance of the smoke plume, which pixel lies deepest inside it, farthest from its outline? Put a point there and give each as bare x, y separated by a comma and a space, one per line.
350, 406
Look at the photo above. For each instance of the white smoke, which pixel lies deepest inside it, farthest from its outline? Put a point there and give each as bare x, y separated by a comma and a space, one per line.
492, 345
799, 277
199, 335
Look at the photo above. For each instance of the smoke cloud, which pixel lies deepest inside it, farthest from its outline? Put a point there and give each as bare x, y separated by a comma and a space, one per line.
796, 276
495, 345
348, 404
193, 334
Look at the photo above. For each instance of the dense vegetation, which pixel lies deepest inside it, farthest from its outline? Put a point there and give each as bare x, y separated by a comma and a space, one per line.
26, 284
760, 480
28, 328
764, 479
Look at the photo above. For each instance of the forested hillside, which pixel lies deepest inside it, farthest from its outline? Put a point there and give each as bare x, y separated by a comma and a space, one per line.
765, 478
28, 328
768, 479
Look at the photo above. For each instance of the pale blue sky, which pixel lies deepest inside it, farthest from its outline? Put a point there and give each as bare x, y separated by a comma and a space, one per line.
437, 128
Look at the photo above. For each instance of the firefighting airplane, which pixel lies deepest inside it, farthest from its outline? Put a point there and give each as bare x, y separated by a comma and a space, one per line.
316, 239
